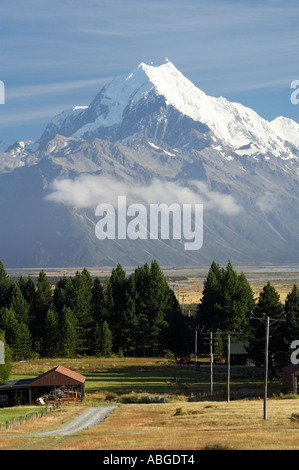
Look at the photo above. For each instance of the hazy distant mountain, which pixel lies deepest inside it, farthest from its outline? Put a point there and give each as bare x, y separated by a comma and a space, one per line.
153, 136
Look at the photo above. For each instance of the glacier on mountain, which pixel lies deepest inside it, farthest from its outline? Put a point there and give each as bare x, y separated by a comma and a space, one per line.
232, 123
152, 135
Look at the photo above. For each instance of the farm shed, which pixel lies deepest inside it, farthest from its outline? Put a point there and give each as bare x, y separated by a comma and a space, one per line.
290, 375
58, 383
239, 353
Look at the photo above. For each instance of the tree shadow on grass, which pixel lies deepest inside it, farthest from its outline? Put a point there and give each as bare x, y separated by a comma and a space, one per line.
143, 379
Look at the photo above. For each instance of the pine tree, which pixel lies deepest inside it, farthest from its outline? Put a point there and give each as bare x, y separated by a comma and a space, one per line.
158, 301
97, 301
68, 332
27, 288
151, 303
103, 340
226, 302
17, 334
51, 334
141, 281
268, 304
41, 304
237, 302
19, 305
289, 330
9, 324
81, 307
291, 310
130, 322
115, 304
208, 312
64, 293
23, 342
5, 287
176, 337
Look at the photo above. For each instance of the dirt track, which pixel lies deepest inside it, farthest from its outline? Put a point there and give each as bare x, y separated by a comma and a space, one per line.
86, 420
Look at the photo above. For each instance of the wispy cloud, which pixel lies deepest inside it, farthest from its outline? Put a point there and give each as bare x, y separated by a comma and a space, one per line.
87, 191
267, 202
221, 46
53, 88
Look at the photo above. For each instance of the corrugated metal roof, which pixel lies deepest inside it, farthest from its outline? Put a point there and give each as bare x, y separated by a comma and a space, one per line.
239, 348
63, 371
20, 383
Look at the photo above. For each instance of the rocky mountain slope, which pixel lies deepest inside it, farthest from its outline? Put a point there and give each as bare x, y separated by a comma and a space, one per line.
152, 136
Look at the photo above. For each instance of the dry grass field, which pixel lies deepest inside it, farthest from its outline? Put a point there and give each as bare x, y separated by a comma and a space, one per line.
237, 425
189, 289
179, 424
184, 422
193, 426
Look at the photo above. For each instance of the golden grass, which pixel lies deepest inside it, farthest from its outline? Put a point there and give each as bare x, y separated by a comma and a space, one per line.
189, 291
238, 425
19, 437
34, 367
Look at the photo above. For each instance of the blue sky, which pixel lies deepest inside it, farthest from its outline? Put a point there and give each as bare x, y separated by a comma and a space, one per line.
56, 54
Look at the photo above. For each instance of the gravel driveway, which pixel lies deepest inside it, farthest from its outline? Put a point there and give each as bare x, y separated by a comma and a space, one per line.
86, 420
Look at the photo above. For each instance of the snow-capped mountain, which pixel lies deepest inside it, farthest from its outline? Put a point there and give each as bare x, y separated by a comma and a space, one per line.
231, 123
154, 136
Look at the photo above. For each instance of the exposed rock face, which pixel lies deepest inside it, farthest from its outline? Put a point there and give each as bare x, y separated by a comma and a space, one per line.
151, 134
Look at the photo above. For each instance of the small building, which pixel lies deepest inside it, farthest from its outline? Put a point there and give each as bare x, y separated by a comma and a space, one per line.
290, 374
58, 384
239, 354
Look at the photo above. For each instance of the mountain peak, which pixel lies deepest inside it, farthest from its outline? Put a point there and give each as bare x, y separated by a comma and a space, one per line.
161, 78
157, 63
133, 94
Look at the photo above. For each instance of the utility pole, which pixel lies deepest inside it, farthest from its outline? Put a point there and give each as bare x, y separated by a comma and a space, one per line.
196, 328
228, 368
228, 335
209, 342
267, 321
195, 349
266, 365
211, 362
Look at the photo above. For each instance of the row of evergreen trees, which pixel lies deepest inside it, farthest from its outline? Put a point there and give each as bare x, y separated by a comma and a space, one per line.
228, 305
130, 315
139, 315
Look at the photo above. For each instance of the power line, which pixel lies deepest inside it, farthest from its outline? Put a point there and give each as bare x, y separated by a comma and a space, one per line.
210, 337
267, 321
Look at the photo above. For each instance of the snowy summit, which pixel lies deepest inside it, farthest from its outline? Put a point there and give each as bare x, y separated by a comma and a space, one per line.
235, 125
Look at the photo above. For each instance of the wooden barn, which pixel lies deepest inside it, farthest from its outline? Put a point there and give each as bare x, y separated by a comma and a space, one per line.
290, 375
58, 384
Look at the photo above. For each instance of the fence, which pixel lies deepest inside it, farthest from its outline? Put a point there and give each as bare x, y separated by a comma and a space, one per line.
13, 422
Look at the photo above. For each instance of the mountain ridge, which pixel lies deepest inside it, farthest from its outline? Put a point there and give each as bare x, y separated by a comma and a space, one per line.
232, 123
154, 149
